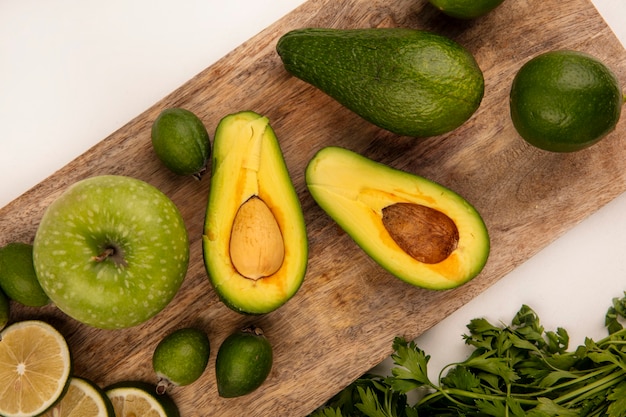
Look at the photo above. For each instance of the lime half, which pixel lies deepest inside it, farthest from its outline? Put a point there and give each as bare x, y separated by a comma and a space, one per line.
139, 399
35, 367
82, 399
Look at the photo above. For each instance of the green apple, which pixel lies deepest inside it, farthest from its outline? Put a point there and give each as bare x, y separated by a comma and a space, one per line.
111, 251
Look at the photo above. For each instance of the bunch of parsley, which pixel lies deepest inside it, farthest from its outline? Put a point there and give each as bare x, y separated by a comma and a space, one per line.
516, 370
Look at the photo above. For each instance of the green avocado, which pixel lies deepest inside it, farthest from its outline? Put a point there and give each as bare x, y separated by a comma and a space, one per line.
418, 230
243, 363
255, 242
410, 82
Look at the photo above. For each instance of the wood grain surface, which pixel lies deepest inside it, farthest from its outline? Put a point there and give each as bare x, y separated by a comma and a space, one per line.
344, 318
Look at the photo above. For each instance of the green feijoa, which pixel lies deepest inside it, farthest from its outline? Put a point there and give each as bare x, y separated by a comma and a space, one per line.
181, 142
180, 358
244, 360
4, 310
18, 279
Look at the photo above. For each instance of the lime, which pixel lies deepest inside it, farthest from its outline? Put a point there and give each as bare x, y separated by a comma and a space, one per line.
565, 101
35, 368
181, 141
18, 279
4, 310
137, 399
82, 399
180, 358
243, 362
466, 9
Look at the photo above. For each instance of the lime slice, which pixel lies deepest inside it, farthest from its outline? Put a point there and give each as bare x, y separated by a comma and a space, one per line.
139, 399
82, 399
35, 368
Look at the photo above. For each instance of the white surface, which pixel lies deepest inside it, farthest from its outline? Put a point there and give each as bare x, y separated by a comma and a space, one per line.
72, 72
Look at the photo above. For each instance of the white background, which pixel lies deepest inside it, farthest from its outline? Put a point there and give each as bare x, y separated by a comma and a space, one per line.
74, 71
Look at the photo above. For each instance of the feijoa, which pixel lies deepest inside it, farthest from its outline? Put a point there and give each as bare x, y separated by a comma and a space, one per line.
18, 279
180, 358
244, 360
181, 141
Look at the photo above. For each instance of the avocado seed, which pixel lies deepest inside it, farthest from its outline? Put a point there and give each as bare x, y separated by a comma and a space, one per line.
257, 249
426, 234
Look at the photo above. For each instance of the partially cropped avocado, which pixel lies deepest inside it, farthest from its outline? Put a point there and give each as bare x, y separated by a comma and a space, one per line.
255, 243
418, 230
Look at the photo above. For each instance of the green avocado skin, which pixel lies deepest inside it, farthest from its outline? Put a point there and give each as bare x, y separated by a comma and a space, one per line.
410, 82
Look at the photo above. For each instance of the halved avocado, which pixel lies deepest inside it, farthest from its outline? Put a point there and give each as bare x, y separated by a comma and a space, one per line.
255, 243
418, 230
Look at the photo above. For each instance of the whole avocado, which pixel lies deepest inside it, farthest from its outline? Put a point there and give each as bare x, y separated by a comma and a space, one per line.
410, 82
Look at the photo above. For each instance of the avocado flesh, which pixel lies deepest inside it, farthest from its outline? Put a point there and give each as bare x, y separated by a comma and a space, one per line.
248, 163
410, 82
354, 191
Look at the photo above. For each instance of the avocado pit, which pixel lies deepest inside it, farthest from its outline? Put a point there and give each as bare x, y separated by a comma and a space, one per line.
257, 248
426, 234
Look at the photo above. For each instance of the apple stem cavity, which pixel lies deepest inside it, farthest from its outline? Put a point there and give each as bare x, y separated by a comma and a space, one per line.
108, 252
113, 253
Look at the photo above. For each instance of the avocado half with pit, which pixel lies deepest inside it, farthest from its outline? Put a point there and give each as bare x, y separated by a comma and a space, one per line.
418, 230
254, 243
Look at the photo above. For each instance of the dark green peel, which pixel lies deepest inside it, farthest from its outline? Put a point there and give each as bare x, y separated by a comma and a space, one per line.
243, 362
4, 310
466, 9
410, 82
18, 279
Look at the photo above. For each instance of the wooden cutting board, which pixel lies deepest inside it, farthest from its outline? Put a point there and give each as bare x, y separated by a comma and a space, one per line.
344, 318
